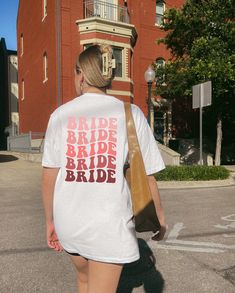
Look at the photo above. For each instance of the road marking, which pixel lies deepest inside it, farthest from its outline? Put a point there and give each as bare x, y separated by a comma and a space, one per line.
186, 245
154, 244
227, 218
231, 219
174, 233
172, 238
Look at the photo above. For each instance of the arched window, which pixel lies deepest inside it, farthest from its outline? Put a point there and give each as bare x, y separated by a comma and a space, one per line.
118, 56
21, 44
45, 67
160, 8
44, 9
160, 62
22, 90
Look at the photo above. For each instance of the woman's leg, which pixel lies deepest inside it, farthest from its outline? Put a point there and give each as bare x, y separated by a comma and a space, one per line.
103, 277
81, 265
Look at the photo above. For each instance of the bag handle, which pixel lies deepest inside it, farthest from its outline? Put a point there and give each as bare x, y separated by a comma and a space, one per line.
133, 142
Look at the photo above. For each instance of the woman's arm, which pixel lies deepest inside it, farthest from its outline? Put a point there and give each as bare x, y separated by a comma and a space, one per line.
49, 176
157, 202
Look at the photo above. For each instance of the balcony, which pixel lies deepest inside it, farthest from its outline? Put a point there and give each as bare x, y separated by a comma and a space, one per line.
104, 10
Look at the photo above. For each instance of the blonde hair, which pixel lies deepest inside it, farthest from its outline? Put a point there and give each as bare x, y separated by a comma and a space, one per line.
91, 60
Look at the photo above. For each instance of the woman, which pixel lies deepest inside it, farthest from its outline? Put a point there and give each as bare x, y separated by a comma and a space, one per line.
86, 198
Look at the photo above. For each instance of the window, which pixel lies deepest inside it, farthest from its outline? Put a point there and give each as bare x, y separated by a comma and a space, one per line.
21, 45
22, 90
45, 67
87, 46
44, 9
160, 63
160, 7
117, 53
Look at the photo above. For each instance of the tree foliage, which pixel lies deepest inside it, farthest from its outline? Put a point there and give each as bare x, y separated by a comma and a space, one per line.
201, 38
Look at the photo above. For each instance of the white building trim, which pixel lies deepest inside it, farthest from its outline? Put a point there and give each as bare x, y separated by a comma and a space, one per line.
120, 93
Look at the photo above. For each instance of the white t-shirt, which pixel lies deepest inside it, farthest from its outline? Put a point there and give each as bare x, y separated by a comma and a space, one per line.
86, 138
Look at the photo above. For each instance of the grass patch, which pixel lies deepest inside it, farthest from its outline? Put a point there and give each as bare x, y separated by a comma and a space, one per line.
192, 173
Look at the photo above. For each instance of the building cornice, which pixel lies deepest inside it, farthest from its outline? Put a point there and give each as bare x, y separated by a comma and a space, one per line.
98, 24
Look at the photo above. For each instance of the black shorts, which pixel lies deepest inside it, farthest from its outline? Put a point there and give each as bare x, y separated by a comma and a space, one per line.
74, 254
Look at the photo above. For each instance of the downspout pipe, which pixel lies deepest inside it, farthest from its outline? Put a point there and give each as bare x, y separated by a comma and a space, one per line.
58, 22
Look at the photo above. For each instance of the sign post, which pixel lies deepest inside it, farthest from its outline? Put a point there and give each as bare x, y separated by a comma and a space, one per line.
201, 98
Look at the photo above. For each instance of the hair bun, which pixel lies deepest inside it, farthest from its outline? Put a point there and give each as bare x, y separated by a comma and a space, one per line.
104, 48
107, 57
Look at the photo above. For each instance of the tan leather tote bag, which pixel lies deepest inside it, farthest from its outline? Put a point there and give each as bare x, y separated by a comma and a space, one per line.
144, 211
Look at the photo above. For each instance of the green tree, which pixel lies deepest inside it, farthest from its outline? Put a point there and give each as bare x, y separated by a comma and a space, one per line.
201, 38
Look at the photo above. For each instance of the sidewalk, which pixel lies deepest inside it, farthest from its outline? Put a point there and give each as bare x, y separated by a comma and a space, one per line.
37, 158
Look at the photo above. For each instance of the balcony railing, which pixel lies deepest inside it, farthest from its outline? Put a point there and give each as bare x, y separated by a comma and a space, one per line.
95, 8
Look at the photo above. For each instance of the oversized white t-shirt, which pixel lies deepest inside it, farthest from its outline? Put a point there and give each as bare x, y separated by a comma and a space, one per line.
86, 138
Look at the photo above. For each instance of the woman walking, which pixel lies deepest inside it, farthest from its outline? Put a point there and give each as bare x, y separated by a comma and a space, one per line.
86, 199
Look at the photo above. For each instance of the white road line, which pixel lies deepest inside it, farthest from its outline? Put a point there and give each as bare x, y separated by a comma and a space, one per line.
230, 218
207, 244
155, 245
222, 226
174, 233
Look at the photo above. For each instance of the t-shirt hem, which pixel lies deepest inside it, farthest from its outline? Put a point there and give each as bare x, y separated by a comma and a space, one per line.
50, 165
154, 170
107, 259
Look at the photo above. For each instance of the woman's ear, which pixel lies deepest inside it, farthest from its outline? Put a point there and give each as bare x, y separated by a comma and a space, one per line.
82, 78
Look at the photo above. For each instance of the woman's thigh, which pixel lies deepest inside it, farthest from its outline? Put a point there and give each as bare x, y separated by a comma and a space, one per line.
81, 265
103, 277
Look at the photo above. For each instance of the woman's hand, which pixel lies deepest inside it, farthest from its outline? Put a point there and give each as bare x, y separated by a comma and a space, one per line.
160, 235
52, 239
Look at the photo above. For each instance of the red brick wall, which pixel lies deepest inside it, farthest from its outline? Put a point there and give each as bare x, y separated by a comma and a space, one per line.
71, 11
39, 37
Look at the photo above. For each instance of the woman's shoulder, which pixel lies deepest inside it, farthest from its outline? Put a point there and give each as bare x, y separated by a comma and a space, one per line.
137, 113
64, 108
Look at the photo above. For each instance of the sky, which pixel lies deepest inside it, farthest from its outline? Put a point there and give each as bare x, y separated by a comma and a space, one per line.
8, 15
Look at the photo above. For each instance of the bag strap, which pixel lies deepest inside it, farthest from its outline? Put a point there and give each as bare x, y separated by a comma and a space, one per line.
133, 143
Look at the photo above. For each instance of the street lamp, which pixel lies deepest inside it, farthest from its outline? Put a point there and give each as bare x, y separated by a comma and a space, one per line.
149, 76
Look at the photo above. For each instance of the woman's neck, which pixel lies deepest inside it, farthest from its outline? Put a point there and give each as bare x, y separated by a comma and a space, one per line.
92, 89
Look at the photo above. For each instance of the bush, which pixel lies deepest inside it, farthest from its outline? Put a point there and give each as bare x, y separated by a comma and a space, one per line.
192, 173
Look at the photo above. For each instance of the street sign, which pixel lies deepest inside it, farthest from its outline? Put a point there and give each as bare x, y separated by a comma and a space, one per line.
202, 94
201, 98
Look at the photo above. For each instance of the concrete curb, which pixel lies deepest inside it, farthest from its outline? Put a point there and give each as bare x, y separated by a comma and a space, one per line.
37, 158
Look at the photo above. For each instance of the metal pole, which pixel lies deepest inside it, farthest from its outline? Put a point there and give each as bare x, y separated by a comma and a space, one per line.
150, 106
58, 16
149, 93
201, 105
151, 115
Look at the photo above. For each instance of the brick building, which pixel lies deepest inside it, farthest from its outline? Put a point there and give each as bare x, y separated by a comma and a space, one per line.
52, 33
9, 116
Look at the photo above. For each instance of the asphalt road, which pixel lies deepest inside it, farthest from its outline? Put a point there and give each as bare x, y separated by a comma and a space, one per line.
198, 254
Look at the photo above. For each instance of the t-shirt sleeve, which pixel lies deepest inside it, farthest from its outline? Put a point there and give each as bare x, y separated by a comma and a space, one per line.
51, 150
151, 155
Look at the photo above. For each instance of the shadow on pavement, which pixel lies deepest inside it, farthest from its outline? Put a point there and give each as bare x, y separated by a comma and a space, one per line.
142, 272
7, 158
